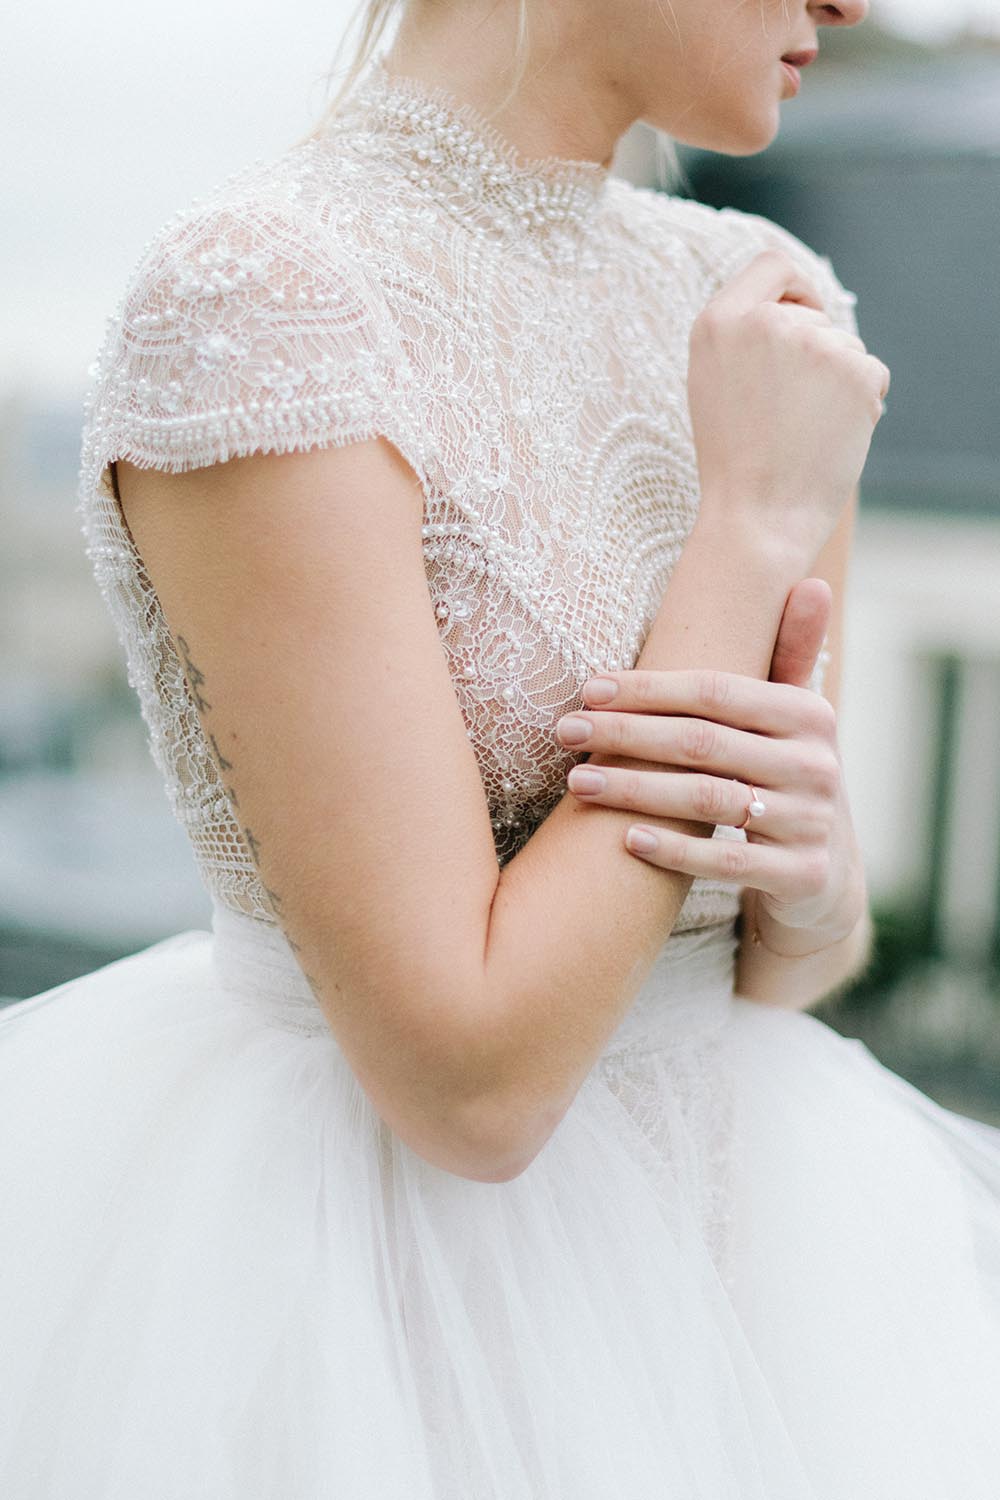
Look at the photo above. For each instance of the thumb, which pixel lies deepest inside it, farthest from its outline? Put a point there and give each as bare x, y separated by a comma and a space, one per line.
803, 628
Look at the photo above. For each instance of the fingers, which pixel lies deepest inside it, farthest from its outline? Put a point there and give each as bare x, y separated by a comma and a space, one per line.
805, 621
882, 375
799, 313
875, 372
702, 745
722, 697
788, 876
848, 340
770, 276
693, 797
795, 312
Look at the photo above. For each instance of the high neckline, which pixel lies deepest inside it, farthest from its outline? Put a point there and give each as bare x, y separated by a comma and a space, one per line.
452, 152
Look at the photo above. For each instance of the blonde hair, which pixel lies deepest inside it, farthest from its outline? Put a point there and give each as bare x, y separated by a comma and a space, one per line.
374, 17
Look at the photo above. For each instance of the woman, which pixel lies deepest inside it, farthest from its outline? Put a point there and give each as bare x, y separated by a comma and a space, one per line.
479, 1151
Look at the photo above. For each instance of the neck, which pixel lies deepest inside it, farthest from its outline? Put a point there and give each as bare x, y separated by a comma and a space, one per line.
566, 105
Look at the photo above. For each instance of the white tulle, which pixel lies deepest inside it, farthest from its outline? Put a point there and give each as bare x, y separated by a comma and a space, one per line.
225, 1279
750, 1263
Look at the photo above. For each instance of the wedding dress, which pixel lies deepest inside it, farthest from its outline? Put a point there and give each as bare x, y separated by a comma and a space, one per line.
751, 1263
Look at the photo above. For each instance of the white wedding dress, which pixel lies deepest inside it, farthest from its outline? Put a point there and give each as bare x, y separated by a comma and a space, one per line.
751, 1263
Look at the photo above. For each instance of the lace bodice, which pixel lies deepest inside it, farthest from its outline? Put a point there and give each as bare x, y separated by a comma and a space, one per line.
518, 329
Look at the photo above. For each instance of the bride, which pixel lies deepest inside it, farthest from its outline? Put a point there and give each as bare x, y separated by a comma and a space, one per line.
476, 524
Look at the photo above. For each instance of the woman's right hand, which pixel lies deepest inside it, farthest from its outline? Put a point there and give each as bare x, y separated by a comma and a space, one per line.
783, 405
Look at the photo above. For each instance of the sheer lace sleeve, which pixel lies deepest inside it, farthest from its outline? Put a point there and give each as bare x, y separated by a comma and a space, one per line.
244, 330
744, 235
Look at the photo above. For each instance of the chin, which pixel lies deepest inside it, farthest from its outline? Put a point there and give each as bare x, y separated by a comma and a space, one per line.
737, 138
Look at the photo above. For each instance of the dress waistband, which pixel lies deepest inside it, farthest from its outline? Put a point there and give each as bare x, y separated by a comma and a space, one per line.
254, 962
687, 994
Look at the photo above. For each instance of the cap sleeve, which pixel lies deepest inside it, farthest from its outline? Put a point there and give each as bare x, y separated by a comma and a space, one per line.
246, 328
746, 235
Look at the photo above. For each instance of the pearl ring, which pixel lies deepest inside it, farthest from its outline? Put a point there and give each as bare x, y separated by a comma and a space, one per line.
755, 808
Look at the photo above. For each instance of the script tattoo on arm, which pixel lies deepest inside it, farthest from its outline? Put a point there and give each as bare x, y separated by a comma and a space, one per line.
224, 764
195, 676
195, 679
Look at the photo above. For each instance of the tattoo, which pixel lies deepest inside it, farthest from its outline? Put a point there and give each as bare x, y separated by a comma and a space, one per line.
224, 764
195, 676
196, 680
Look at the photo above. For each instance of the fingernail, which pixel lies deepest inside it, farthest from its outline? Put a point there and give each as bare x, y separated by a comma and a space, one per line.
640, 840
600, 689
584, 779
574, 731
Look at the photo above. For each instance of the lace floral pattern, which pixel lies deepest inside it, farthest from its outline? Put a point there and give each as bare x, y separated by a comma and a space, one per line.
518, 330
682, 1098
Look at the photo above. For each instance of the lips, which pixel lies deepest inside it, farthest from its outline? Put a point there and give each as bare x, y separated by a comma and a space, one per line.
793, 75
801, 59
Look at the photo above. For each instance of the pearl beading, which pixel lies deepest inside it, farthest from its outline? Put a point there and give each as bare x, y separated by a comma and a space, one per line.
450, 152
517, 329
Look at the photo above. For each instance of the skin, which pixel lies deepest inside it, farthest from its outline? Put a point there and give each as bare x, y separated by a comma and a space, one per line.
470, 1003
708, 72
803, 856
711, 77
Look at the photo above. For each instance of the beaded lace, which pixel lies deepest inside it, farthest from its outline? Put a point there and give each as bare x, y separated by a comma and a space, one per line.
517, 328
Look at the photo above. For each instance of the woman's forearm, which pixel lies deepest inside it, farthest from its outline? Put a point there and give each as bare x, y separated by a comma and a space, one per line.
577, 921
802, 972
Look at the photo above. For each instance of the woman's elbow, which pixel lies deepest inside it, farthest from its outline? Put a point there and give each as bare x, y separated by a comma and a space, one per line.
462, 1130
446, 1085
493, 1140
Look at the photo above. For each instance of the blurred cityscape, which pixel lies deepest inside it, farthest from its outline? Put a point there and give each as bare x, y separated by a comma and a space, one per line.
894, 172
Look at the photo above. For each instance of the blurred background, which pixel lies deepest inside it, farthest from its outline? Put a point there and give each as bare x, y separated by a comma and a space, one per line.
888, 162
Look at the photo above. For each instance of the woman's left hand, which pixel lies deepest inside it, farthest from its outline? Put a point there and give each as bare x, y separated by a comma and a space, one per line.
722, 734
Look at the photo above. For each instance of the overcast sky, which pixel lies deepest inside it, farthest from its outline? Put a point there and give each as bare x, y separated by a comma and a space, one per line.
115, 115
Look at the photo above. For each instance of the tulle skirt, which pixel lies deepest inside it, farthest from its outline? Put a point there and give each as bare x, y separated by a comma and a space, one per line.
751, 1263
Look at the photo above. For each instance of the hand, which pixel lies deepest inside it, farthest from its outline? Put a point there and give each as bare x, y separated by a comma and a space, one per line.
710, 727
783, 407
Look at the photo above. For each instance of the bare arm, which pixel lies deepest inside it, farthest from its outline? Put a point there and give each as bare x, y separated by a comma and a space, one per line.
796, 977
577, 922
470, 1006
